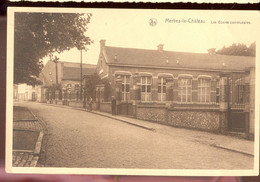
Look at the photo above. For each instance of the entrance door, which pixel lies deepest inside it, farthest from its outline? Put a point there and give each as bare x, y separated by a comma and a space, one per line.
237, 96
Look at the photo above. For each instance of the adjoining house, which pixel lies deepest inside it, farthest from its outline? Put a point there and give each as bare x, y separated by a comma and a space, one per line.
203, 91
24, 92
15, 92
62, 82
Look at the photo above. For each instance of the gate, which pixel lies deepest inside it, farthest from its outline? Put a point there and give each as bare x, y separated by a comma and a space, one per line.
237, 98
125, 108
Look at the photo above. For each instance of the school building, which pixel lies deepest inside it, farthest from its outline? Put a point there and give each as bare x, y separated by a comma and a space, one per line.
203, 91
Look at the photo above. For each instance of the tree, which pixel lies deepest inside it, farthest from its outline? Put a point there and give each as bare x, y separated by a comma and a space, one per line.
238, 50
90, 84
91, 81
37, 35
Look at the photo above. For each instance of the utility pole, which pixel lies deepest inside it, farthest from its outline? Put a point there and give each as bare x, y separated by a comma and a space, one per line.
56, 61
80, 74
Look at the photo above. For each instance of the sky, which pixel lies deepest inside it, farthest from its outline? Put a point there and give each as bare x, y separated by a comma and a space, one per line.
131, 28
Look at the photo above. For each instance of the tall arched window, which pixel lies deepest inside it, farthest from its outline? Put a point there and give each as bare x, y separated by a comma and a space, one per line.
184, 89
161, 89
125, 87
204, 88
146, 82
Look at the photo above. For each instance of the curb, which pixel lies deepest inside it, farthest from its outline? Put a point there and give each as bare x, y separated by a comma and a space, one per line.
111, 117
141, 126
38, 144
37, 148
232, 150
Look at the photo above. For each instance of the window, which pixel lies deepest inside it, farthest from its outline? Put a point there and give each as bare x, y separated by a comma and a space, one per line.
204, 90
161, 89
217, 93
239, 91
184, 90
146, 88
125, 87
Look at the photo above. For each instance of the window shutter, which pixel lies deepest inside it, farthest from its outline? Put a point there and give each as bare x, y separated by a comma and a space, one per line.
194, 84
138, 94
175, 90
169, 91
213, 90
195, 91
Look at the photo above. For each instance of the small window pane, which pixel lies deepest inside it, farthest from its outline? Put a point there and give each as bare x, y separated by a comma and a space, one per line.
188, 98
127, 79
127, 87
149, 79
217, 91
217, 99
148, 88
143, 88
159, 89
142, 80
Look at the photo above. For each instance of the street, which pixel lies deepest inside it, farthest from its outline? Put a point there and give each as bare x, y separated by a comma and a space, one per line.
85, 140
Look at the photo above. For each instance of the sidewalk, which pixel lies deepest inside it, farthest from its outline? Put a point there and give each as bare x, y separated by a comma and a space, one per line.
224, 142
28, 133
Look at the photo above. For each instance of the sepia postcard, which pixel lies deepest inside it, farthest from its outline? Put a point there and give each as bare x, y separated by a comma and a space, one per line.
132, 92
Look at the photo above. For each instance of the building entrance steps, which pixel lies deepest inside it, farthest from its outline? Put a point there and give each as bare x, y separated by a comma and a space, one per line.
220, 141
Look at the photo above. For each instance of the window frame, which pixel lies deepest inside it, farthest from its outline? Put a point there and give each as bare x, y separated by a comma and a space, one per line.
188, 87
239, 89
162, 87
146, 93
125, 93
218, 92
202, 85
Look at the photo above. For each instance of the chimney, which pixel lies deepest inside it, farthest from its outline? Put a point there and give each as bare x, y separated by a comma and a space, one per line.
102, 44
160, 47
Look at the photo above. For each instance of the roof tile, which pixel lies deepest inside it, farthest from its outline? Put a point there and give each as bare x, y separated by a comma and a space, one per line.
143, 57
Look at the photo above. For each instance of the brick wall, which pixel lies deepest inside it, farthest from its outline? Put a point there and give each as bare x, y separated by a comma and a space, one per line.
151, 113
75, 103
202, 119
198, 119
105, 107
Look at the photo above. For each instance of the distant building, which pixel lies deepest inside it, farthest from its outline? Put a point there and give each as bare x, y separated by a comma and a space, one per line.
24, 92
204, 91
15, 91
67, 76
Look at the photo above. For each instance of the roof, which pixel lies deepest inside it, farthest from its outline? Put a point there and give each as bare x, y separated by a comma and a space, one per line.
73, 73
77, 65
71, 70
66, 71
155, 58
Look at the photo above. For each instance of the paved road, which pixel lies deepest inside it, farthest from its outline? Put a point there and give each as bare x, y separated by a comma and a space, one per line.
81, 139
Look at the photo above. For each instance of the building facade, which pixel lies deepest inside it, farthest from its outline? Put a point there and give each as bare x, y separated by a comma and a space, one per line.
203, 91
62, 82
24, 92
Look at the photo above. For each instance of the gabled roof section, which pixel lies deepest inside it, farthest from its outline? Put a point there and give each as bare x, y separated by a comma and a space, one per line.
66, 71
156, 58
71, 71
